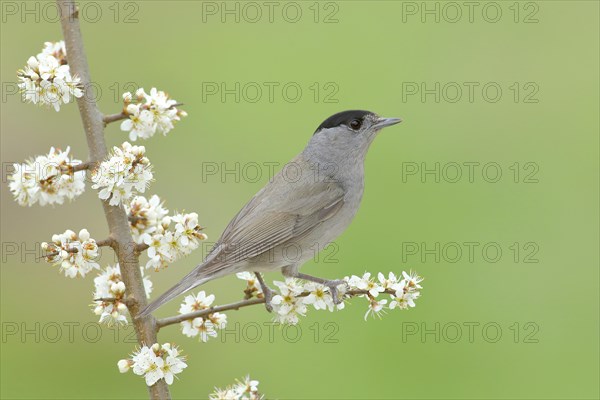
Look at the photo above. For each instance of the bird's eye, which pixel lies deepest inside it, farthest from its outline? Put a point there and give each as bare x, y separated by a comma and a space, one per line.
355, 124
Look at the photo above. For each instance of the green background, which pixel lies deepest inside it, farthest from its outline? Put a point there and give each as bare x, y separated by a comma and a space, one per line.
369, 54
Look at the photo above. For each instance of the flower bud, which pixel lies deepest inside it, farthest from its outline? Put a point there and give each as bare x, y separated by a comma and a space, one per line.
124, 366
84, 235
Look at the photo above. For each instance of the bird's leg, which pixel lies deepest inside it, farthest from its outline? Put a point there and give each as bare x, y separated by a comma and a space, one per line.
331, 284
267, 291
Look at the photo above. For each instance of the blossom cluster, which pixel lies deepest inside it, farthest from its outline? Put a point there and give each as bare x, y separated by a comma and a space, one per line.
149, 113
47, 179
110, 287
75, 253
168, 237
126, 172
246, 389
252, 285
294, 296
47, 79
404, 290
205, 327
155, 363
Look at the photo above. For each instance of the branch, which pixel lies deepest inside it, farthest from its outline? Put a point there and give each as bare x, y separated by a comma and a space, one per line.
107, 119
116, 217
125, 301
240, 304
83, 166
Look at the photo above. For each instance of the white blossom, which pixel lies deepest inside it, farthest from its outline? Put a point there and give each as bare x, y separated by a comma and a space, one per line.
247, 389
75, 253
253, 287
407, 291
375, 307
203, 327
47, 179
319, 296
287, 306
145, 216
173, 238
366, 283
126, 172
110, 286
403, 292
150, 113
155, 363
47, 79
412, 279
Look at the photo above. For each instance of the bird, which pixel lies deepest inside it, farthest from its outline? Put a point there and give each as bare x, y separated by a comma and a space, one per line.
302, 209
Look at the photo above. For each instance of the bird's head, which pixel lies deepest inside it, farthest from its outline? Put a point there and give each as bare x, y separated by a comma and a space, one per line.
351, 131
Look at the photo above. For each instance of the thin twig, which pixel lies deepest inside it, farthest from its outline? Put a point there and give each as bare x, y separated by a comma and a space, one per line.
126, 301
240, 304
107, 119
83, 166
114, 117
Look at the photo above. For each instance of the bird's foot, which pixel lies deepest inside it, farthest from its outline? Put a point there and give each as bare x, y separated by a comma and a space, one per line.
268, 294
333, 289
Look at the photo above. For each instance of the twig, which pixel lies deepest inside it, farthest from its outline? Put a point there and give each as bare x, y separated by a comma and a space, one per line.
100, 243
107, 119
240, 304
116, 217
83, 166
110, 242
139, 248
125, 301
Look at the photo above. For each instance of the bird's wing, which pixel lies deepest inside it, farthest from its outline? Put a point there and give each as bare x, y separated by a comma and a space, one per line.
277, 214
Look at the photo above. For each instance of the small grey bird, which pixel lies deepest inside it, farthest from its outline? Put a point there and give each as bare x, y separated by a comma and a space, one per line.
302, 209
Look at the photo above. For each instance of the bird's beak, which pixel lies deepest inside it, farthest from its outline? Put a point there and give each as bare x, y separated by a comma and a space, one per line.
383, 122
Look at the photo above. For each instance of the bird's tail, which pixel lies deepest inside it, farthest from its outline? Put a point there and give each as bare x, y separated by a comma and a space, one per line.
183, 286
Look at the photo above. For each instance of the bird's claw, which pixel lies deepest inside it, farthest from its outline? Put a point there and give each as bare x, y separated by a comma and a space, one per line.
268, 295
333, 289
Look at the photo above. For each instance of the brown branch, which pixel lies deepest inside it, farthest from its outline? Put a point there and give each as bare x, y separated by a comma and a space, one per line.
107, 119
108, 242
125, 301
240, 304
116, 217
83, 166
139, 248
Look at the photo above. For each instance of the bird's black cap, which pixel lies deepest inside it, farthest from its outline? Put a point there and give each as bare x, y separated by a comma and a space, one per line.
343, 117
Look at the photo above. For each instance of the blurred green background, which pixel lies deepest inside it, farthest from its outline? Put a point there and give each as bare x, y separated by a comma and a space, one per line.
372, 54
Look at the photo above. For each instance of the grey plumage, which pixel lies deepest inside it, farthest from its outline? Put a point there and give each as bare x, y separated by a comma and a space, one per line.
302, 209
